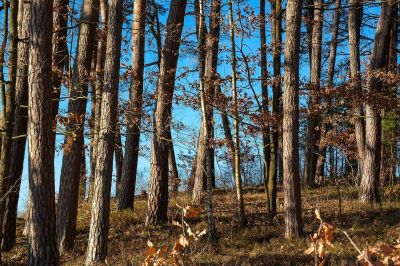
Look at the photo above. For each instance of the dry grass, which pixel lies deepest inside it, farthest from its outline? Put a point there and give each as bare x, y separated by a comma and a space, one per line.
260, 243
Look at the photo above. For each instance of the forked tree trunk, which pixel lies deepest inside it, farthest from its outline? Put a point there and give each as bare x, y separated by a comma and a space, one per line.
19, 130
291, 174
370, 174
134, 111
74, 139
41, 220
158, 184
237, 175
99, 223
311, 156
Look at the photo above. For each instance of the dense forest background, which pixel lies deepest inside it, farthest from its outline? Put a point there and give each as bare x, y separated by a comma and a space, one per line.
280, 113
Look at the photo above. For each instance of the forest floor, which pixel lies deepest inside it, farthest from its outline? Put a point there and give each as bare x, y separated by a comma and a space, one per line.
260, 243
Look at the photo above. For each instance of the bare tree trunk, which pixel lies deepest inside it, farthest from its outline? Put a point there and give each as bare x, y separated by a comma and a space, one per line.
41, 220
313, 117
291, 175
238, 179
158, 184
99, 223
119, 158
370, 173
19, 130
74, 139
134, 112
99, 73
354, 26
331, 72
172, 167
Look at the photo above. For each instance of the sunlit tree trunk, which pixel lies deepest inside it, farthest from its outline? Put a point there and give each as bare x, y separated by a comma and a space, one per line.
158, 183
74, 139
134, 112
291, 174
370, 170
41, 220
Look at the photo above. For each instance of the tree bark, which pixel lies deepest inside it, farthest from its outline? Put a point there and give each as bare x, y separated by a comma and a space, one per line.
41, 220
74, 139
134, 112
311, 155
19, 130
370, 173
291, 175
119, 158
99, 223
158, 184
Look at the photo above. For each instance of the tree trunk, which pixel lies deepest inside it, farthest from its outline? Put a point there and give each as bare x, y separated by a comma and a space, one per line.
291, 175
119, 158
354, 26
99, 223
172, 167
311, 156
370, 171
134, 112
158, 184
19, 130
41, 220
238, 178
74, 139
99, 73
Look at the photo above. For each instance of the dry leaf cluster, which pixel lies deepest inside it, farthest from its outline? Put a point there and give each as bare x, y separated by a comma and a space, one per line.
381, 254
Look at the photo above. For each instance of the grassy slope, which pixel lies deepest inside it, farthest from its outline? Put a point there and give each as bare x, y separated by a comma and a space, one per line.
260, 243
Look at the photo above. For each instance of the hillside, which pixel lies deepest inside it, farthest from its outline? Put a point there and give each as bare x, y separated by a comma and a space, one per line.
260, 243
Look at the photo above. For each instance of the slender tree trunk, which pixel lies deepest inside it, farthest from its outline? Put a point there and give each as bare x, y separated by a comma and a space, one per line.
74, 139
238, 179
291, 175
82, 177
19, 130
313, 117
158, 184
370, 174
99, 73
134, 112
331, 72
41, 220
119, 158
354, 26
99, 223
172, 167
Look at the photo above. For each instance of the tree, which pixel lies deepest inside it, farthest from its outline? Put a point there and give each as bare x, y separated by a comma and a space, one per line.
314, 87
134, 111
99, 223
158, 184
74, 143
236, 170
41, 220
291, 175
378, 62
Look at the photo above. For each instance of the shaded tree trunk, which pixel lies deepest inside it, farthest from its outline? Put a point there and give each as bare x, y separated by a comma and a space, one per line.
134, 112
172, 167
158, 183
371, 163
99, 223
19, 130
41, 220
311, 156
119, 158
291, 175
74, 139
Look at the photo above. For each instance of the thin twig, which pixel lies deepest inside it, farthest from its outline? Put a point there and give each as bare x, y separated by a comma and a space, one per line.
359, 251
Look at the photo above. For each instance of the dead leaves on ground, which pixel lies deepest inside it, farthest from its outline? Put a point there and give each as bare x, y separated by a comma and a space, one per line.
381, 254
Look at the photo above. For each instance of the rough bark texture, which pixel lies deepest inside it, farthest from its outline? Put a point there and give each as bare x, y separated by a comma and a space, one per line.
119, 158
158, 183
371, 163
41, 220
74, 143
291, 175
99, 223
174, 180
311, 151
96, 90
354, 25
134, 111
19, 130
